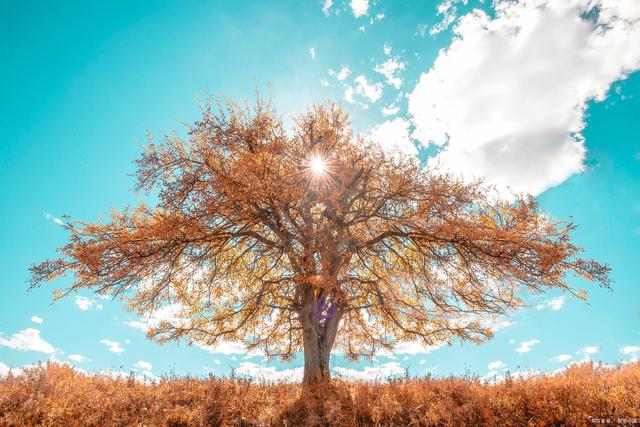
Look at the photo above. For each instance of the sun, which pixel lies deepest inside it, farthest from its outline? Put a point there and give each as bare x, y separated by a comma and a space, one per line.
318, 165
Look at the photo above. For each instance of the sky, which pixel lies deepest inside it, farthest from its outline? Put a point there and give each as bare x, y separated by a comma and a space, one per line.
537, 96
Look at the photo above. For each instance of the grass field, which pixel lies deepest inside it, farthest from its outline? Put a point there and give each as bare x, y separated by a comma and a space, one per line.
57, 395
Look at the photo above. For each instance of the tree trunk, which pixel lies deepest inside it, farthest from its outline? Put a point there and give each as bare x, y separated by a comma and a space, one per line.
318, 336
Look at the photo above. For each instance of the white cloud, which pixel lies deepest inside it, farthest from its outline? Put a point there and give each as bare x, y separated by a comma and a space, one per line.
553, 304
506, 101
359, 7
372, 92
415, 347
113, 346
529, 373
324, 83
270, 373
630, 349
83, 303
448, 11
556, 304
228, 347
526, 346
79, 358
53, 218
326, 7
498, 364
560, 358
36, 319
348, 95
588, 351
145, 366
312, 53
4, 370
169, 313
498, 324
390, 110
27, 340
492, 376
393, 136
344, 73
373, 373
387, 49
388, 69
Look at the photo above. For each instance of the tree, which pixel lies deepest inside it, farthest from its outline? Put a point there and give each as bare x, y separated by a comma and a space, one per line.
280, 239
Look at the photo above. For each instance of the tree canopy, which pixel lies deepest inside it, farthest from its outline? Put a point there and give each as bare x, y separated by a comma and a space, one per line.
281, 237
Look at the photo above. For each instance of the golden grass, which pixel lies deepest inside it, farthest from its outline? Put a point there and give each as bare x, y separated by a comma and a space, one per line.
57, 395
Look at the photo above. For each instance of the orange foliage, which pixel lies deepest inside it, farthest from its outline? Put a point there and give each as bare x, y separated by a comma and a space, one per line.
57, 395
312, 238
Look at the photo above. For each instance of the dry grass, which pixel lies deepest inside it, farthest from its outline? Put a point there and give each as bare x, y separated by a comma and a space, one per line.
56, 395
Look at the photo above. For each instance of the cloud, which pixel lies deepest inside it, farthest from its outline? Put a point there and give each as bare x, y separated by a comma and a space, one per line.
36, 319
269, 373
554, 304
228, 347
630, 349
170, 313
372, 92
524, 375
506, 100
326, 7
79, 358
498, 364
312, 53
348, 95
588, 351
526, 346
393, 136
83, 303
113, 346
390, 110
359, 7
388, 69
4, 370
53, 218
448, 11
141, 364
343, 73
498, 324
415, 347
374, 373
560, 358
27, 340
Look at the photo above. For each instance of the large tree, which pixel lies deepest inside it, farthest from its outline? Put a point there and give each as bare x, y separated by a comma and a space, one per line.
307, 238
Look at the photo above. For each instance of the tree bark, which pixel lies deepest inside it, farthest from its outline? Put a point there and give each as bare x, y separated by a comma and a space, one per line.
318, 337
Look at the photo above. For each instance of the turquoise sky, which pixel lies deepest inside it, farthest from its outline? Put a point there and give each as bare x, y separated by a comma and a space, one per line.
82, 83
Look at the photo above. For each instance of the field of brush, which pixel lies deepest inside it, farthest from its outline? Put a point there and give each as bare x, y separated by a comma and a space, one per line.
582, 395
